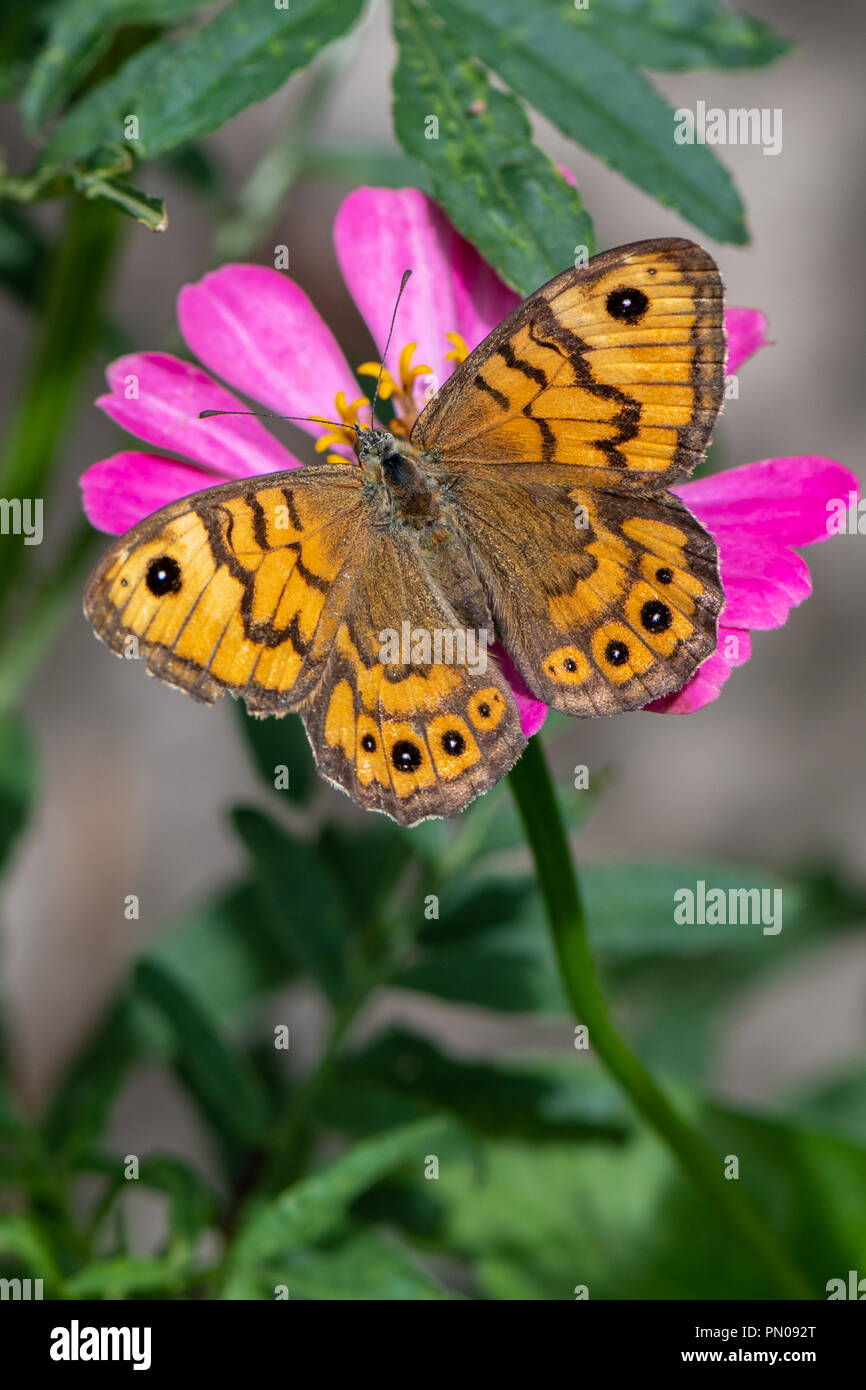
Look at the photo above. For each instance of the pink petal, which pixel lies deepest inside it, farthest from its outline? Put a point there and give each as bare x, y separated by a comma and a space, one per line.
258, 330
734, 649
747, 331
785, 499
120, 491
483, 300
762, 581
379, 233
533, 711
164, 411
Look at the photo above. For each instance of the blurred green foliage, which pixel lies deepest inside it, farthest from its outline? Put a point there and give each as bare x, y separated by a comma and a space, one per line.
398, 1167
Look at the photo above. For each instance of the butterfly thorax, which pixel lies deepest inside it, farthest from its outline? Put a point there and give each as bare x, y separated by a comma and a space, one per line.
398, 480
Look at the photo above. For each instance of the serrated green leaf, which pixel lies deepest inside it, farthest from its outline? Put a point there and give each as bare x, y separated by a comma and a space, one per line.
601, 101
180, 89
674, 35
304, 1213
81, 31
498, 188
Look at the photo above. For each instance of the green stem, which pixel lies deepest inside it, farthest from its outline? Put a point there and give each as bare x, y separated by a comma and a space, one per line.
23, 649
70, 325
536, 799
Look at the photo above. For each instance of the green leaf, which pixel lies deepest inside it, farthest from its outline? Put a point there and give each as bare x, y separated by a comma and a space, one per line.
224, 954
180, 89
125, 1276
80, 33
474, 907
143, 207
599, 100
307, 1211
22, 1237
511, 968
498, 188
367, 862
82, 1100
299, 897
17, 780
625, 1222
540, 1098
220, 1080
673, 35
192, 1205
276, 743
357, 1265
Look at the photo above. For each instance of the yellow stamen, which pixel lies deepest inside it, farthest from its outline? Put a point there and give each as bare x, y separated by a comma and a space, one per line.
460, 350
345, 435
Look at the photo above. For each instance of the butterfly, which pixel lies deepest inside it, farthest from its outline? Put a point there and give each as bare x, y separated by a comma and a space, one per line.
529, 504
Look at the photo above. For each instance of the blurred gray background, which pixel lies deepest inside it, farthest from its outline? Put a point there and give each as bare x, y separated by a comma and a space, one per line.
136, 778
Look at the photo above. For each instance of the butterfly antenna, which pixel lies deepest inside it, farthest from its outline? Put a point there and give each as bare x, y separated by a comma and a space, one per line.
266, 415
403, 283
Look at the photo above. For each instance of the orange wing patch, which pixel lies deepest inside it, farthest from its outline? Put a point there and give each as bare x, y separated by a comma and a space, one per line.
226, 591
616, 367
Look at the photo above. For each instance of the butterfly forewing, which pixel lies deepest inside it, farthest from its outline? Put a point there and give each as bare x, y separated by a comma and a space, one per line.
616, 367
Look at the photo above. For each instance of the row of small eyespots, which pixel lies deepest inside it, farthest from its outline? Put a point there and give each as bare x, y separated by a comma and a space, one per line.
570, 666
486, 710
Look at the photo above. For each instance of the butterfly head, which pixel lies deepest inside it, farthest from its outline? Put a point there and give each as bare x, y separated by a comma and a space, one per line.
373, 447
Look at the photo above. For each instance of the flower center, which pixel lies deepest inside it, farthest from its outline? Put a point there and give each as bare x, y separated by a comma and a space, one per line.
345, 434
415, 385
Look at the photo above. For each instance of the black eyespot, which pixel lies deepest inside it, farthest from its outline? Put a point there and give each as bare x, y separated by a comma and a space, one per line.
616, 653
163, 576
570, 664
656, 616
664, 575
454, 743
405, 756
484, 710
628, 305
124, 583
368, 743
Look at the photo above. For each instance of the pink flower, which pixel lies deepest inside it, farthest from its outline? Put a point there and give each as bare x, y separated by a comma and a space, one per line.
257, 330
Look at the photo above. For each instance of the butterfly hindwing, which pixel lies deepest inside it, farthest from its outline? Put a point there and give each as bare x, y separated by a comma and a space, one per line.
398, 729
618, 595
617, 366
225, 591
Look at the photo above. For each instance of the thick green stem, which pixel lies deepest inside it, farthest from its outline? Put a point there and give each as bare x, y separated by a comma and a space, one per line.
536, 799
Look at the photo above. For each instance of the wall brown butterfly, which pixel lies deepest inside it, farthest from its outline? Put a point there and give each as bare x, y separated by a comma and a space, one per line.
530, 500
